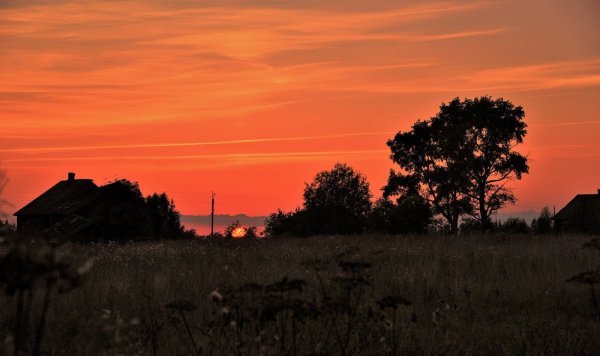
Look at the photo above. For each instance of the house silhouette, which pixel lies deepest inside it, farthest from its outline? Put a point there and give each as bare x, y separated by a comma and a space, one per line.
580, 215
77, 210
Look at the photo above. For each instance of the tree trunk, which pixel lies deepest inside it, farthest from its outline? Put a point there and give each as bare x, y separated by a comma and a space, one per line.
454, 222
485, 219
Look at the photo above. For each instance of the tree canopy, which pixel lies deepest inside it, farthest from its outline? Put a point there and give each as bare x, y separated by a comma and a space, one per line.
128, 215
164, 217
462, 158
337, 201
339, 198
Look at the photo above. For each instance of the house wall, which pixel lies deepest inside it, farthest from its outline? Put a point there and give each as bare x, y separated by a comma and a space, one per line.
91, 233
32, 227
579, 223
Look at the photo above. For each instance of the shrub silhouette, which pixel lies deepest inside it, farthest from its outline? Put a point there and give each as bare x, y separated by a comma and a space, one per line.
515, 226
30, 273
410, 214
337, 201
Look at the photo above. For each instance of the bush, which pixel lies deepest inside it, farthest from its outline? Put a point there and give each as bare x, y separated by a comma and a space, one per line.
515, 226
410, 214
236, 230
470, 226
279, 223
298, 223
7, 229
229, 230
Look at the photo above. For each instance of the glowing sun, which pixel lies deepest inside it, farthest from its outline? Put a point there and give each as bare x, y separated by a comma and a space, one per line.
238, 233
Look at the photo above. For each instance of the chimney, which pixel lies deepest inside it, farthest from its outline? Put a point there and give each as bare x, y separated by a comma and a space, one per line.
598, 191
71, 176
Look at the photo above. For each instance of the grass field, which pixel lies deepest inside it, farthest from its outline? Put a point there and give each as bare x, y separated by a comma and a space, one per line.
473, 295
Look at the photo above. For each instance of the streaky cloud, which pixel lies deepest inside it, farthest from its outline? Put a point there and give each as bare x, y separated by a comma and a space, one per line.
194, 144
232, 156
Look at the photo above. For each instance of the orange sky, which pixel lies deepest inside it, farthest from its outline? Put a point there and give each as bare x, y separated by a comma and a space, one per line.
252, 98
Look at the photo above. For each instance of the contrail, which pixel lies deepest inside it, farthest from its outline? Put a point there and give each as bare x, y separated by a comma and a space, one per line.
571, 123
263, 155
192, 144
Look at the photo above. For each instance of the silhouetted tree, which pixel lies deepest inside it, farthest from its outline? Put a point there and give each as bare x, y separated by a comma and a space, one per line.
3, 183
5, 228
380, 218
423, 170
127, 215
251, 232
339, 199
121, 209
164, 217
543, 223
462, 158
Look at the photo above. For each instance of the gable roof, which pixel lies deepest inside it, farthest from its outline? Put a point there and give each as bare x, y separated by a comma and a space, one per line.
582, 204
65, 198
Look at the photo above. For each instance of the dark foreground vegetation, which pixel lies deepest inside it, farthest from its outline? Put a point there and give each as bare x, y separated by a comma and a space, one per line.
325, 295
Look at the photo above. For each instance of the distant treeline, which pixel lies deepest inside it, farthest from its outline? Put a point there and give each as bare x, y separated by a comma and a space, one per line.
333, 205
452, 177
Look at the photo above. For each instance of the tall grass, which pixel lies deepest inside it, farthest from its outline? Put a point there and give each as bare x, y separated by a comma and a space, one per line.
326, 295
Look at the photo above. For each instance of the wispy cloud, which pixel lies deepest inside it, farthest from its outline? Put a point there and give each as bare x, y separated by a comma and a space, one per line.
135, 61
225, 158
193, 144
566, 123
543, 76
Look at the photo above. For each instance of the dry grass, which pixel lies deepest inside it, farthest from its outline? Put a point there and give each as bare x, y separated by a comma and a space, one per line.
475, 295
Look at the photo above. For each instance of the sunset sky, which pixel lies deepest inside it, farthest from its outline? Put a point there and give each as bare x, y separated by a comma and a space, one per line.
252, 98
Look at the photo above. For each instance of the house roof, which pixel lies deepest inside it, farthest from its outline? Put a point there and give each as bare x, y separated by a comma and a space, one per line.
65, 198
588, 204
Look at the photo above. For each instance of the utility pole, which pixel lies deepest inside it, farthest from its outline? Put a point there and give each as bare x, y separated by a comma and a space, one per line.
212, 213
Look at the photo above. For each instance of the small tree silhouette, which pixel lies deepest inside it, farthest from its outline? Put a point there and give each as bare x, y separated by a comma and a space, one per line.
339, 200
3, 183
166, 220
6, 229
543, 223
